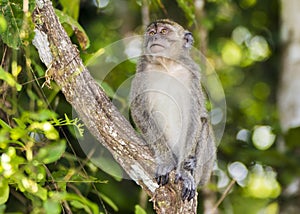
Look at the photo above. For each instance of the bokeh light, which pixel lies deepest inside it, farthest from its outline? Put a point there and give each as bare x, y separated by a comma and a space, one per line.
231, 53
263, 137
262, 183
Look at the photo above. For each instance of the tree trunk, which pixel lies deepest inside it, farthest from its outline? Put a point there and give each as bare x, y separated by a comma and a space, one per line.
288, 94
289, 91
97, 112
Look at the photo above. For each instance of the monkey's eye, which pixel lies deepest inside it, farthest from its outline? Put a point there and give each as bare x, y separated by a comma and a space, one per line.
151, 33
164, 31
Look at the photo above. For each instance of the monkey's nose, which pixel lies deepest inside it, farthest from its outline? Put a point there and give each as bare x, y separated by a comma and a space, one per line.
155, 37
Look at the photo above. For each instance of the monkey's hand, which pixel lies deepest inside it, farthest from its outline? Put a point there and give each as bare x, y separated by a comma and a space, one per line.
188, 184
163, 170
190, 163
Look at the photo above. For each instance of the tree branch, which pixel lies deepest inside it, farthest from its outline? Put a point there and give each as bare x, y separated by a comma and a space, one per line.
100, 116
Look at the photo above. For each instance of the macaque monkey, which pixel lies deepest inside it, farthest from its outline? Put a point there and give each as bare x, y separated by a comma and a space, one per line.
168, 107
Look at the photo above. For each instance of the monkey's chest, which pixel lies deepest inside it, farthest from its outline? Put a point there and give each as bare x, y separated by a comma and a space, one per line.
170, 103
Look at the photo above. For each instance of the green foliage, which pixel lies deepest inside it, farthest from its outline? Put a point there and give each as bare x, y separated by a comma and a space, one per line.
36, 167
51, 153
75, 27
13, 34
71, 8
9, 79
76, 201
139, 210
11, 12
109, 202
3, 24
68, 122
188, 9
26, 150
4, 191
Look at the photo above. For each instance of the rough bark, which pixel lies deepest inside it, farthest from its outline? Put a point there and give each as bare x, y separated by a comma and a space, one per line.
288, 94
97, 112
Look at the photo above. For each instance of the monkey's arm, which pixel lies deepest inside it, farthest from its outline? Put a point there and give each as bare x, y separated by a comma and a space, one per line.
205, 148
206, 153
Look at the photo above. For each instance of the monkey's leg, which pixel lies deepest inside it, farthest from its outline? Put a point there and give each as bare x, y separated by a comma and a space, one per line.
154, 137
165, 163
165, 159
205, 154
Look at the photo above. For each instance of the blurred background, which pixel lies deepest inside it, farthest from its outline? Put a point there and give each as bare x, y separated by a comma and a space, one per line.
252, 45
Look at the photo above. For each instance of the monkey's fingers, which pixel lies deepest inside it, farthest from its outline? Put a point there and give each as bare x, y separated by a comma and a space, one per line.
162, 173
188, 190
188, 185
162, 179
192, 194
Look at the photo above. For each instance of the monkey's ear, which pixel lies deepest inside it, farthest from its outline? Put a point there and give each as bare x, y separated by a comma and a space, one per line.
189, 40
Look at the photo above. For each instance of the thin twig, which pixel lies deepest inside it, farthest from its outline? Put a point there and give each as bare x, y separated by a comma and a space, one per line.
225, 193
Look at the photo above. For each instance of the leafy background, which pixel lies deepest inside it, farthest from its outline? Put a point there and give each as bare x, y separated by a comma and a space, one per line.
44, 170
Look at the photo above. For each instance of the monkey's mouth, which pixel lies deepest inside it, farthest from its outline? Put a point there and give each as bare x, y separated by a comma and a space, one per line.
156, 48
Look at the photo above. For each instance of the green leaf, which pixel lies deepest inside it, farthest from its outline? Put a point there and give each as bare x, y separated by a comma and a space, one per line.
4, 139
9, 79
4, 125
109, 202
59, 177
71, 8
79, 205
139, 210
3, 24
4, 191
52, 152
108, 164
81, 35
52, 207
41, 193
42, 115
18, 133
36, 171
17, 22
13, 15
28, 185
107, 89
20, 123
88, 206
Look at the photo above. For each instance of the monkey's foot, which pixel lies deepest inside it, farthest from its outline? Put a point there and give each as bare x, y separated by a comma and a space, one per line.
190, 163
162, 174
188, 185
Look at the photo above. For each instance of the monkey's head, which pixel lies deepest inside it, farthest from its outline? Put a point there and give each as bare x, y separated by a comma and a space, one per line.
167, 38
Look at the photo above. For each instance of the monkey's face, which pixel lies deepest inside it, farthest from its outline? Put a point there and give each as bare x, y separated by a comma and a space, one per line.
166, 38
